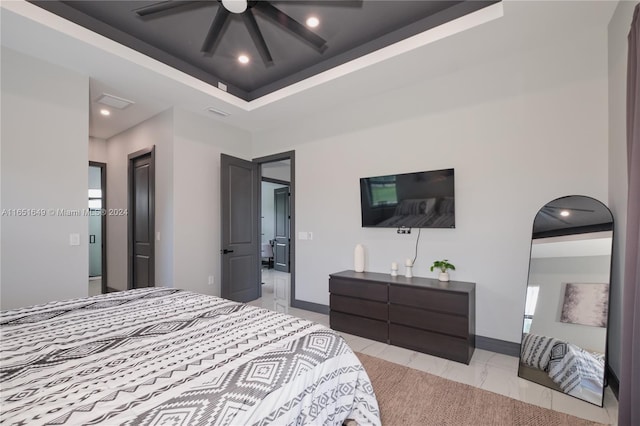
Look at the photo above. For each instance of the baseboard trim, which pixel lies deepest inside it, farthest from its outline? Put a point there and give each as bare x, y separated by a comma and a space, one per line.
310, 306
497, 345
613, 382
111, 290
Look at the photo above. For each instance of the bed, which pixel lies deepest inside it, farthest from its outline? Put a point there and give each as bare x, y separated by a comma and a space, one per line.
161, 356
567, 367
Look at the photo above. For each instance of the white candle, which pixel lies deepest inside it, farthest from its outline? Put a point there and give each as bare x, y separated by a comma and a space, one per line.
408, 262
394, 266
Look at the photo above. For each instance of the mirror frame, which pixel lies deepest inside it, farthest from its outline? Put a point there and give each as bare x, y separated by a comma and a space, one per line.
596, 227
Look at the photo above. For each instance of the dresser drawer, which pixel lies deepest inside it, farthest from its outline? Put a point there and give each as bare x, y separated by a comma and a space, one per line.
442, 301
361, 307
361, 288
449, 347
454, 325
359, 326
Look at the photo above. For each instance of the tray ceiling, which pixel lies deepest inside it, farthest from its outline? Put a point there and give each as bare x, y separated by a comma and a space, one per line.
175, 36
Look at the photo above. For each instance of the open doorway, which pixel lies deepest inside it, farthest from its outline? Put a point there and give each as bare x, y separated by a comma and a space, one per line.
277, 216
241, 250
276, 229
97, 228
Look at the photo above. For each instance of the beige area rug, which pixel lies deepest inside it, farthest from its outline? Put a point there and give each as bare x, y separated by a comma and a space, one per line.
412, 397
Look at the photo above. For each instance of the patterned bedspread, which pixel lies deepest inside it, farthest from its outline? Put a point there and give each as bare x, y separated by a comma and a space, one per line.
576, 371
170, 357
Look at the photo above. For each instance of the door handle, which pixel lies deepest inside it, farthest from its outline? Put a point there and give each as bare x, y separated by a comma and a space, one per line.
225, 251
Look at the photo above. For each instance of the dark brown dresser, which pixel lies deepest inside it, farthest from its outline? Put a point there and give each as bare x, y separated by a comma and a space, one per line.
422, 314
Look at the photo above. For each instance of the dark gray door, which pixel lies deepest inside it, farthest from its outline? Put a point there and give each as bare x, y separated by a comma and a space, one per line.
239, 201
282, 229
141, 219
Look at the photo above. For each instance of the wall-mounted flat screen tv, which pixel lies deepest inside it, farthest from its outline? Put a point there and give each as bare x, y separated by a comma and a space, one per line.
411, 200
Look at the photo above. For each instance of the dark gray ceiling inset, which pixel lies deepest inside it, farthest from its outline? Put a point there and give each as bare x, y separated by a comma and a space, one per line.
204, 40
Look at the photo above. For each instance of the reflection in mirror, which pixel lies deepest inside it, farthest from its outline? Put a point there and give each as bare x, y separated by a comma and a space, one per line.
567, 299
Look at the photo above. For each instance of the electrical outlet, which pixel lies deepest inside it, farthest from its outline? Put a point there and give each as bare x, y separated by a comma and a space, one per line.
210, 279
404, 230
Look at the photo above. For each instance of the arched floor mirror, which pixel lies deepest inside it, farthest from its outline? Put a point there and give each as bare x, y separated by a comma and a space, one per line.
567, 301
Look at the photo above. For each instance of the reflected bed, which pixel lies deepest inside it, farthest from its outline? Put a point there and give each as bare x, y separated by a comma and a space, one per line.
562, 366
165, 356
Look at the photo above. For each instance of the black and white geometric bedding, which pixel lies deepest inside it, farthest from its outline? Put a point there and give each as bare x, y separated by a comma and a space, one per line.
536, 350
576, 371
169, 357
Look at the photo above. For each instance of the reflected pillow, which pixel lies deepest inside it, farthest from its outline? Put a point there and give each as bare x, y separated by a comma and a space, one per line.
535, 350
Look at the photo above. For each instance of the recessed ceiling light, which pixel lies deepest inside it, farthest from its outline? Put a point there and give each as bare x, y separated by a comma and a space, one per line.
243, 59
564, 213
105, 112
313, 22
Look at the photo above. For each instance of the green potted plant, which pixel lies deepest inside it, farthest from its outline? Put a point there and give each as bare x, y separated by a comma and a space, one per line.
443, 265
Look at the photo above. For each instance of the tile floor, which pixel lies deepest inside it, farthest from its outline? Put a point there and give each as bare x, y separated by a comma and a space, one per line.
95, 286
487, 370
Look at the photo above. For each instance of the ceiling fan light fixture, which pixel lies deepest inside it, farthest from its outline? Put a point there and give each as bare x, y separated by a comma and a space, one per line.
564, 213
235, 6
243, 59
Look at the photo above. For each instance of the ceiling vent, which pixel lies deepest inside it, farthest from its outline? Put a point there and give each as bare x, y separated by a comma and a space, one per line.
114, 101
218, 112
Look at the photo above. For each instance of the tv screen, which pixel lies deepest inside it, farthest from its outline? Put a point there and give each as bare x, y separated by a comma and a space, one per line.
411, 200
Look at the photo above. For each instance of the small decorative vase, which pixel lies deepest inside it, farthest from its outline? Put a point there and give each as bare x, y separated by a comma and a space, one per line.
394, 269
358, 258
444, 276
409, 265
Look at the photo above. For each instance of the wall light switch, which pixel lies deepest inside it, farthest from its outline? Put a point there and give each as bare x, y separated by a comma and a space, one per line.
74, 239
158, 236
302, 236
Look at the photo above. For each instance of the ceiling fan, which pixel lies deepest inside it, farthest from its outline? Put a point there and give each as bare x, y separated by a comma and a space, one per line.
246, 9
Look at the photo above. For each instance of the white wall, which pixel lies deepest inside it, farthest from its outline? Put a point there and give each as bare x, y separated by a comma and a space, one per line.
519, 130
44, 166
198, 143
98, 150
619, 27
157, 131
551, 275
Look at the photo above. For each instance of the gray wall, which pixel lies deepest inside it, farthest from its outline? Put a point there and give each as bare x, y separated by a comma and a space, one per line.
188, 148
198, 143
617, 68
520, 130
44, 166
156, 131
97, 150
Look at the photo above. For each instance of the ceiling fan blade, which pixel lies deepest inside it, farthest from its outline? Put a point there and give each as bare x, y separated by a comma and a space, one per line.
291, 24
161, 7
552, 216
569, 208
256, 36
213, 36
